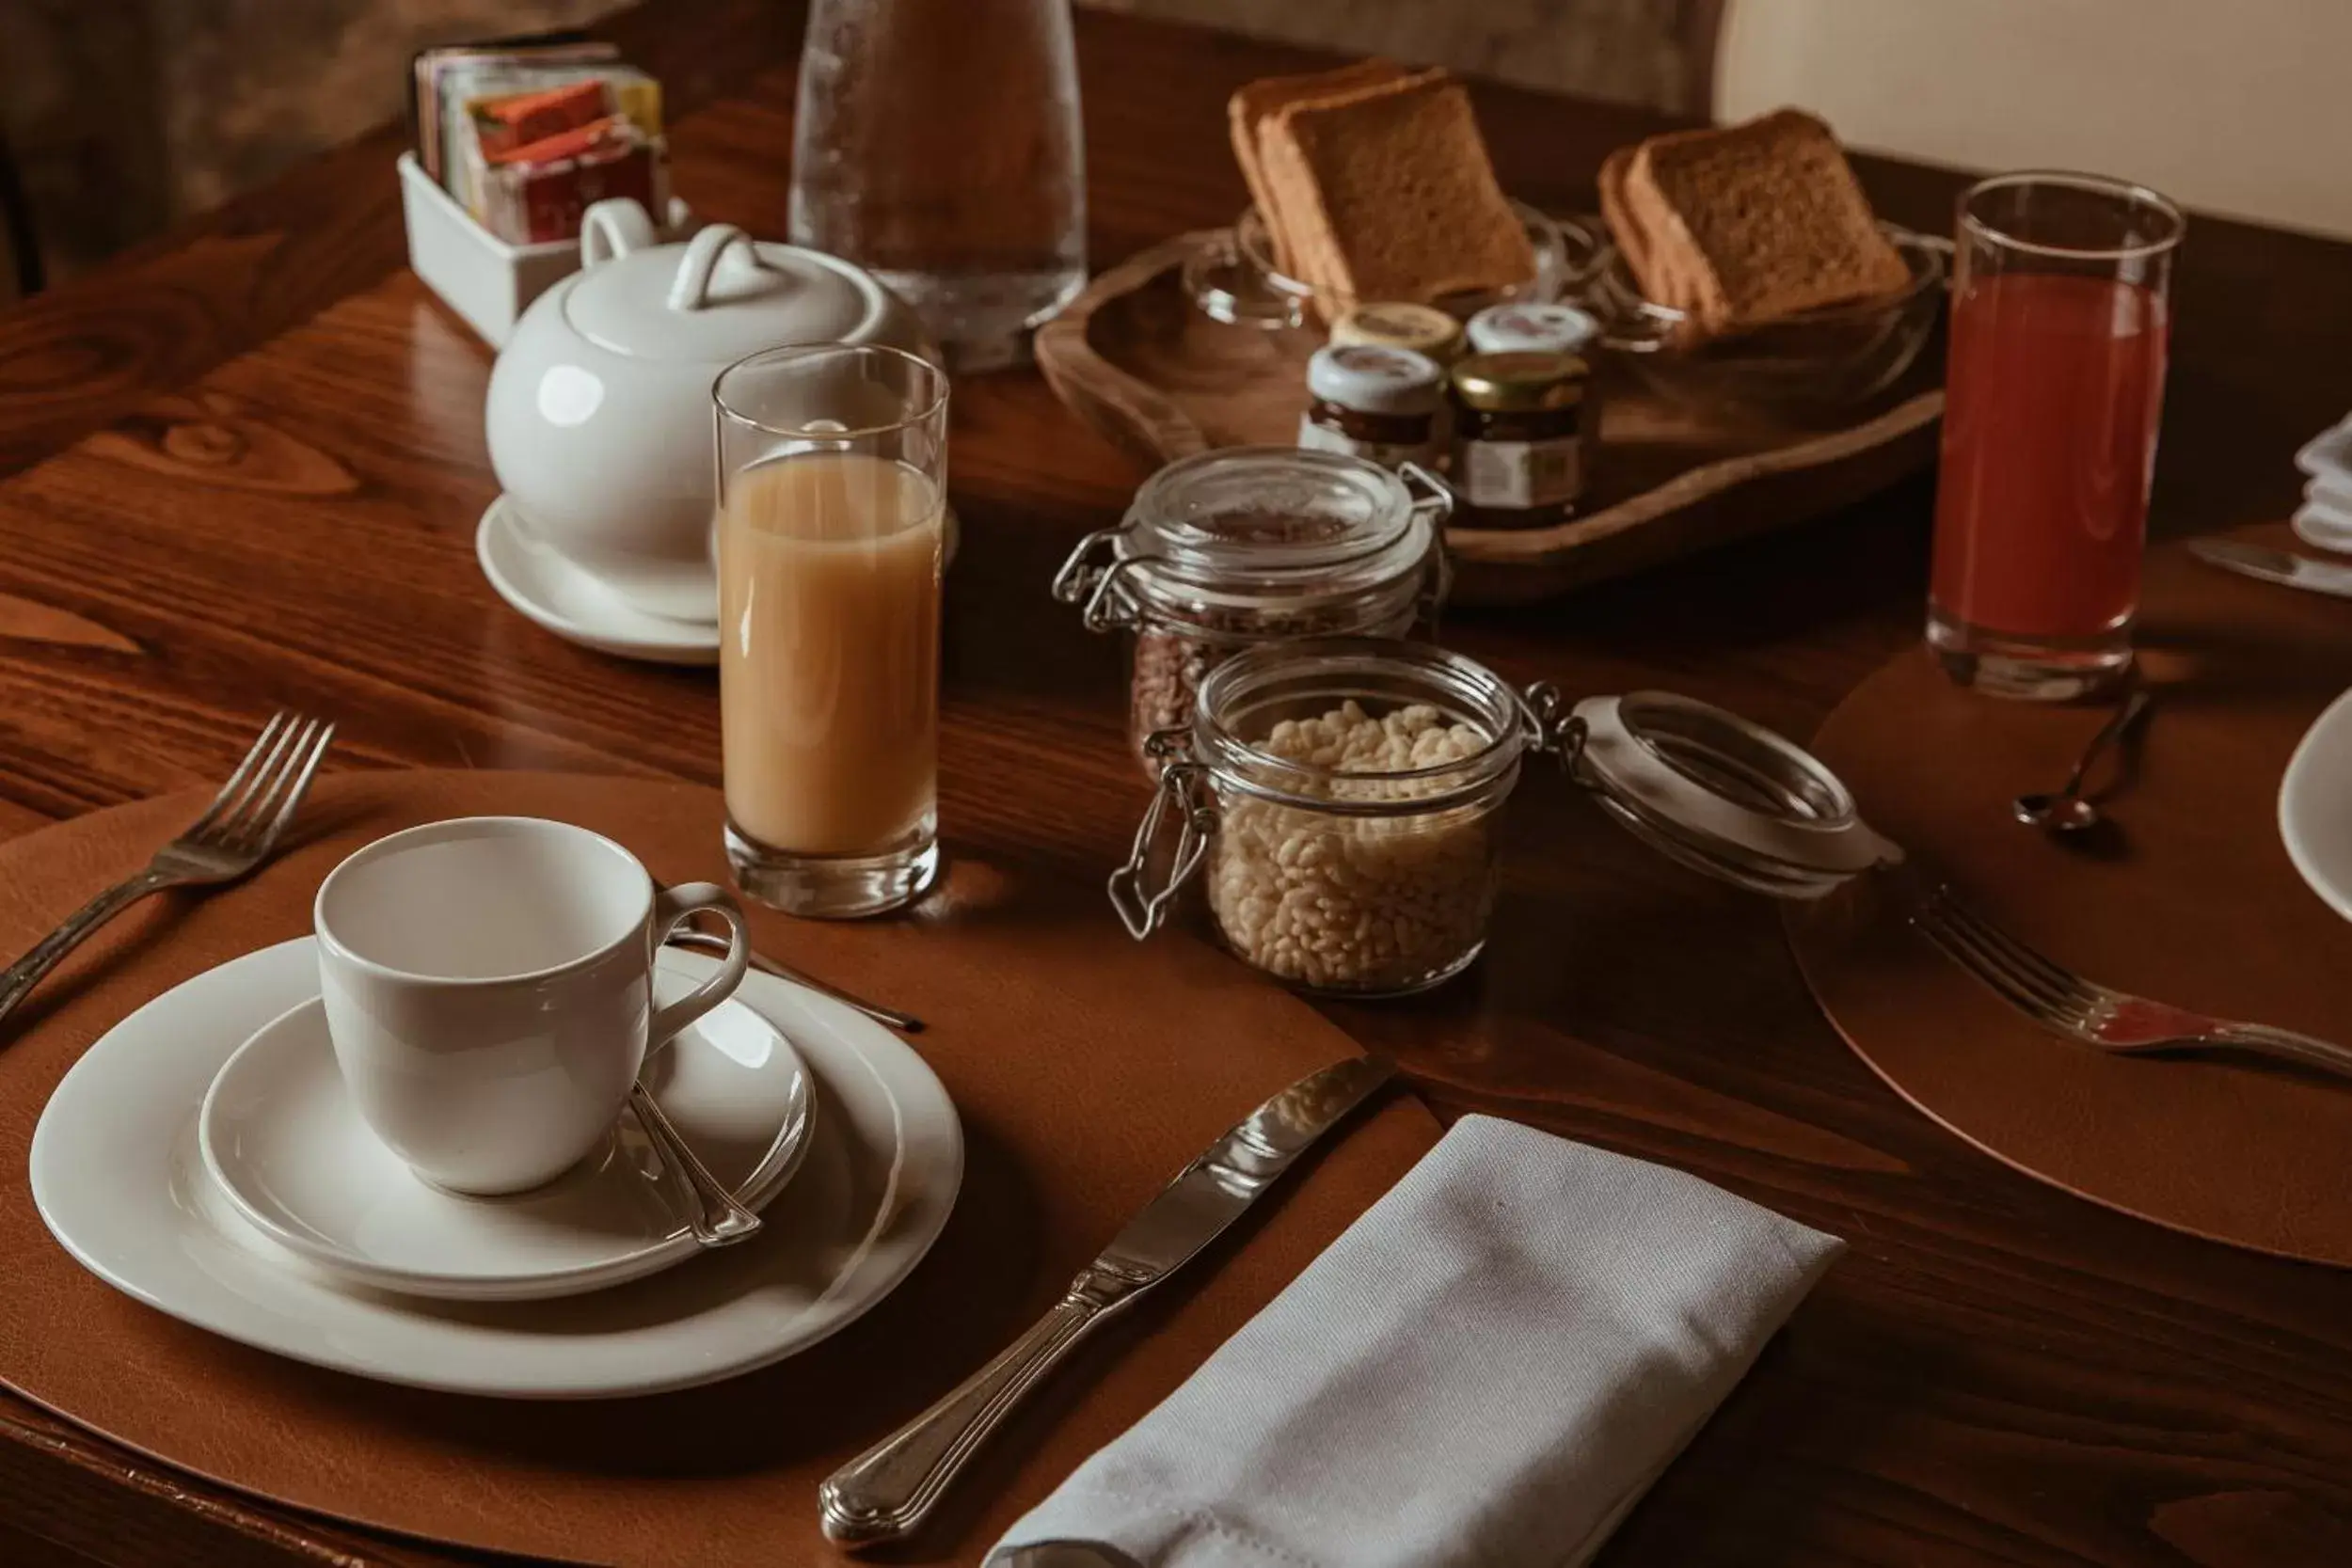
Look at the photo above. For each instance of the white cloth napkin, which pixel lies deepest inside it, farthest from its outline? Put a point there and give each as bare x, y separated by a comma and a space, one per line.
1489, 1368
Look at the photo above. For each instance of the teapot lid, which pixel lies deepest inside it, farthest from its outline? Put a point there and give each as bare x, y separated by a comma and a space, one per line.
715, 298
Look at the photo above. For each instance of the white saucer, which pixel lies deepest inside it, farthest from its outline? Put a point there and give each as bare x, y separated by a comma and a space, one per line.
118, 1176
2313, 797
290, 1150
550, 589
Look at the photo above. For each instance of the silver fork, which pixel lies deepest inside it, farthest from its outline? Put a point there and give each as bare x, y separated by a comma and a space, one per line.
2092, 1013
236, 833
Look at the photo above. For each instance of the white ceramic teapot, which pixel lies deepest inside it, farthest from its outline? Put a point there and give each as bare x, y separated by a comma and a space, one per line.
600, 412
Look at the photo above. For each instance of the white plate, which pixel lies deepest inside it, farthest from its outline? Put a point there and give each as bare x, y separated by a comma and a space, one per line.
550, 589
281, 1136
2315, 806
117, 1175
563, 598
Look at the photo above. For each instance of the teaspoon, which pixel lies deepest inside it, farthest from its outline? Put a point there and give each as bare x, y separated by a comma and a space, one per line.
904, 1022
711, 1211
2067, 812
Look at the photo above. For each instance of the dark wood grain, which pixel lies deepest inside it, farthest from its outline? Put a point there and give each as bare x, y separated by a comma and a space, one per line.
251, 464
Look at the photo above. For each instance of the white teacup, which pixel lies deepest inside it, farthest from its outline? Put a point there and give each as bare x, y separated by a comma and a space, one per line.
489, 986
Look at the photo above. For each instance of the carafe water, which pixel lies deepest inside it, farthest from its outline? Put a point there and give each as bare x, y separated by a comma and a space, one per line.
937, 143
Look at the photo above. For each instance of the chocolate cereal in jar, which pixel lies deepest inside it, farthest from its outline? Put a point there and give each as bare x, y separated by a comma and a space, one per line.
1229, 550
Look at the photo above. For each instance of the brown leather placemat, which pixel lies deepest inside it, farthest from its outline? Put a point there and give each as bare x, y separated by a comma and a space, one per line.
2190, 899
1086, 1070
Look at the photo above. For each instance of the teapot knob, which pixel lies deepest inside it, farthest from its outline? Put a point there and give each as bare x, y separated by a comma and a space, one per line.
690, 289
615, 227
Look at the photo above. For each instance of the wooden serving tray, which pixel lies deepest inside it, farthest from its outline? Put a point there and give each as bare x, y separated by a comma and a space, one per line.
1136, 359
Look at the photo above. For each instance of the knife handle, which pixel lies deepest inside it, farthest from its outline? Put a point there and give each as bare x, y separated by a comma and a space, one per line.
886, 1492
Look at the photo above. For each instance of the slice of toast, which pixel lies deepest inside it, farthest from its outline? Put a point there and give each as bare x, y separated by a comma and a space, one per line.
1630, 234
1251, 105
1388, 195
1750, 223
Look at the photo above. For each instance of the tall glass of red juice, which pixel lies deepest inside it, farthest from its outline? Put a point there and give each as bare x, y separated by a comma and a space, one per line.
2061, 311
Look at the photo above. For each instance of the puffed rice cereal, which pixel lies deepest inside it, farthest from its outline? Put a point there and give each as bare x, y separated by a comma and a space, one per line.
1377, 903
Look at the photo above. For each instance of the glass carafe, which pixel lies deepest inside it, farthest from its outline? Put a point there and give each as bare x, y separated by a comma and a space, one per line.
937, 144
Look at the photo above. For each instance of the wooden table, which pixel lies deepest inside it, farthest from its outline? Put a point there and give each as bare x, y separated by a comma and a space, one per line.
246, 466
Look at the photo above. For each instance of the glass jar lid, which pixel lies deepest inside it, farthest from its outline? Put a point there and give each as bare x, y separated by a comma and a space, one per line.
1718, 793
1244, 530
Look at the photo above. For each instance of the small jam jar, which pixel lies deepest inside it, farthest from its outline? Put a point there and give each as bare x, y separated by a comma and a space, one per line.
1227, 549
1533, 330
1422, 328
1377, 403
1518, 438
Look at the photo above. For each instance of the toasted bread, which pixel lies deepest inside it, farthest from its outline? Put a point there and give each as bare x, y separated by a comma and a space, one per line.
1753, 222
1251, 105
1387, 194
1631, 236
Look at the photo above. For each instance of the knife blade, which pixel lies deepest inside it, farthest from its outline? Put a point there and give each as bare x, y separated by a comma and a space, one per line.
886, 1492
2269, 566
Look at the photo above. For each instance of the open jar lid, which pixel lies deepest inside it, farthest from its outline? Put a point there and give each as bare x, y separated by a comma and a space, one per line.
1248, 529
1719, 794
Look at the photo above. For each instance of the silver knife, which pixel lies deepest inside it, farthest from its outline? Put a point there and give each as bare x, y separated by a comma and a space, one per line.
2257, 560
886, 1492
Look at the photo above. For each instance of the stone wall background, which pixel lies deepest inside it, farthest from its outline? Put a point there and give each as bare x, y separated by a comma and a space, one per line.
126, 113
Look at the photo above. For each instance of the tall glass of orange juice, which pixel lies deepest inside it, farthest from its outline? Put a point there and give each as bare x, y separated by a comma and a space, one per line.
832, 483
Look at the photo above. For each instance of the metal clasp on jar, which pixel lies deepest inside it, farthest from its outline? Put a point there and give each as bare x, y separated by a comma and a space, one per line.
1552, 729
1098, 585
1437, 498
1183, 788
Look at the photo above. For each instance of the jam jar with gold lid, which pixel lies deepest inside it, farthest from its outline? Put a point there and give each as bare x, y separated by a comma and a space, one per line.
1227, 549
1423, 328
1519, 438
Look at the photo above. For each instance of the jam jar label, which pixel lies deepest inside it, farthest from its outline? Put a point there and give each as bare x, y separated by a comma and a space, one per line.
1521, 474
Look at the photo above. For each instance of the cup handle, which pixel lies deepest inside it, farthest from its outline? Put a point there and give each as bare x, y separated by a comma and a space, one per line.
672, 907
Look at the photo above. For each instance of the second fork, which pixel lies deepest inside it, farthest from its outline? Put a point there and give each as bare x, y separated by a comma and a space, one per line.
2092, 1014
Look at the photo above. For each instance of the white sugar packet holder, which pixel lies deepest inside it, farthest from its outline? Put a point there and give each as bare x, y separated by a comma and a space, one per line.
1490, 1366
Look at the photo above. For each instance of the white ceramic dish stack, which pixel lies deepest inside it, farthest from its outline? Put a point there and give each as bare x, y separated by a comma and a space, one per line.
203, 1158
2313, 821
